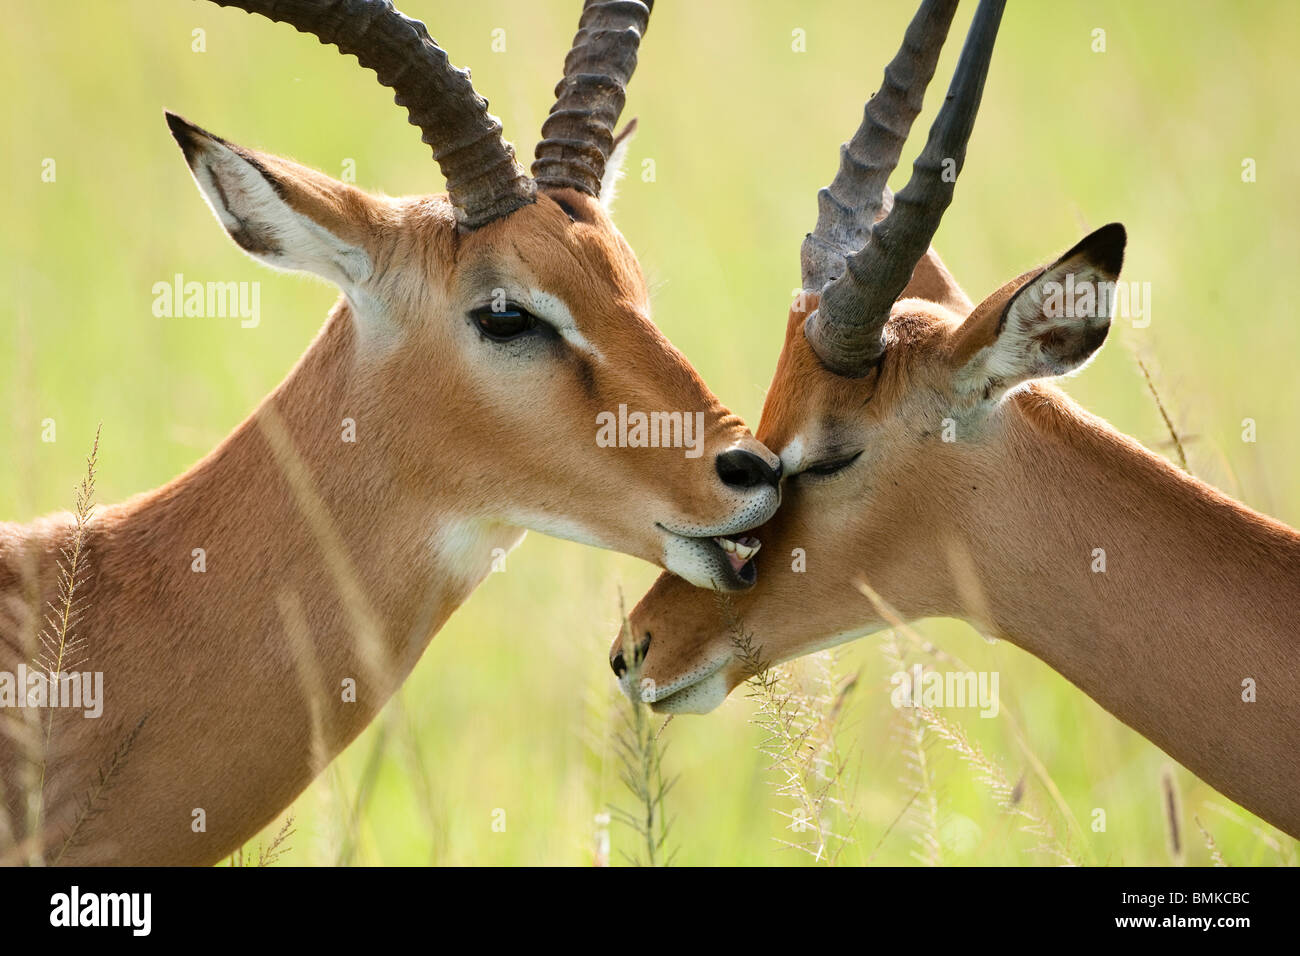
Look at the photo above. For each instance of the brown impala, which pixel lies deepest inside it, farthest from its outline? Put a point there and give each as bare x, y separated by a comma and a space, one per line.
481, 339
926, 456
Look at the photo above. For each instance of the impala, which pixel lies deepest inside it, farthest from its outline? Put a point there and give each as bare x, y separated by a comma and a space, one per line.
452, 400
926, 457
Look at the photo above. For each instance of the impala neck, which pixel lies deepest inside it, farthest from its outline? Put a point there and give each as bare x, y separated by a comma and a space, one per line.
1197, 601
319, 571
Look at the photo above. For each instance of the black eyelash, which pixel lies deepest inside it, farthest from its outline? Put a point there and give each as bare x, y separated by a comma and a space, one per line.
830, 467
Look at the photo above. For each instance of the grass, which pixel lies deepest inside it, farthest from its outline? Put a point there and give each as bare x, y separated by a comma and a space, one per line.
99, 792
641, 756
61, 646
266, 854
799, 710
511, 707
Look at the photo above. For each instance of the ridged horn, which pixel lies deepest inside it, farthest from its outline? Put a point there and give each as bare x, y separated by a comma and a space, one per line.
845, 330
850, 205
578, 135
484, 180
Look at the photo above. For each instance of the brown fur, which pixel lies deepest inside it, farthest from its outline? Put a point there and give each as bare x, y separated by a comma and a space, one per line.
328, 560
999, 528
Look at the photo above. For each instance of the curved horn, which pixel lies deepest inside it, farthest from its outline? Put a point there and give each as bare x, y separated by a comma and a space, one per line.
848, 207
578, 135
484, 181
845, 331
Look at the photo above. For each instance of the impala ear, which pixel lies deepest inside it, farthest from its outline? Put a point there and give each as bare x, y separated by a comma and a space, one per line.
280, 213
614, 166
1052, 323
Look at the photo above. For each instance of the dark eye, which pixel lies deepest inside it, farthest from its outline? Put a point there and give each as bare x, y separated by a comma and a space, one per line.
504, 324
832, 466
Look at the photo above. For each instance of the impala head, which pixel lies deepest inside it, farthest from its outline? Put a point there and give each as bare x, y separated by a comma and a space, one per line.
505, 326
888, 413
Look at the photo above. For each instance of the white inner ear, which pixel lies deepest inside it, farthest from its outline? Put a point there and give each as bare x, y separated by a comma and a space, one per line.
1053, 301
247, 204
614, 173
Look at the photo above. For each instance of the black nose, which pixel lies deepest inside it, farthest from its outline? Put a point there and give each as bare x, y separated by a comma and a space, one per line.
744, 469
620, 665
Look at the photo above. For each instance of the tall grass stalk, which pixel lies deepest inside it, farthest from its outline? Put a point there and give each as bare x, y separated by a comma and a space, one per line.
1175, 438
1285, 848
1173, 816
1210, 845
60, 647
799, 718
417, 772
92, 802
364, 791
1010, 797
641, 757
922, 811
267, 854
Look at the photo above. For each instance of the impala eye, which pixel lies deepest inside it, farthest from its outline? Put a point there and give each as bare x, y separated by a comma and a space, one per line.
830, 467
505, 324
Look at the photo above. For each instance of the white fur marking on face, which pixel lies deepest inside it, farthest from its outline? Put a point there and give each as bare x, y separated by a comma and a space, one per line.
792, 455
553, 310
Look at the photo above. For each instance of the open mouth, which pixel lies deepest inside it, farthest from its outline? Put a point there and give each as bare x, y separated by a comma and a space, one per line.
724, 562
739, 549
737, 558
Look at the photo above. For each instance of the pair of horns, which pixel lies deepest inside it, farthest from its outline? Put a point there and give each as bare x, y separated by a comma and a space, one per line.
861, 266
484, 180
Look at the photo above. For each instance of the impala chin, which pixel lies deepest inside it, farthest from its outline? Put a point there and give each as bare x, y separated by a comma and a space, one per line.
698, 692
699, 698
717, 562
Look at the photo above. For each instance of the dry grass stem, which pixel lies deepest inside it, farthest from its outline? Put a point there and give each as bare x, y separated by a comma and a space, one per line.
61, 648
641, 769
269, 854
1175, 438
800, 714
92, 803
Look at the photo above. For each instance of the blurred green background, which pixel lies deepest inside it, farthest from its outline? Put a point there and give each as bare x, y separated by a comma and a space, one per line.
513, 706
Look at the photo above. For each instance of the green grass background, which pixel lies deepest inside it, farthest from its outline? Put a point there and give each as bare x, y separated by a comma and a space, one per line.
512, 706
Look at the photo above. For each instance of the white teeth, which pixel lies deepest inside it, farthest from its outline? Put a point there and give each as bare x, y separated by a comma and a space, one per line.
744, 549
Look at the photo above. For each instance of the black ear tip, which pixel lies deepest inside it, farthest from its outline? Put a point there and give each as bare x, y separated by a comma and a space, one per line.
1103, 248
179, 125
188, 135
185, 133
1107, 246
